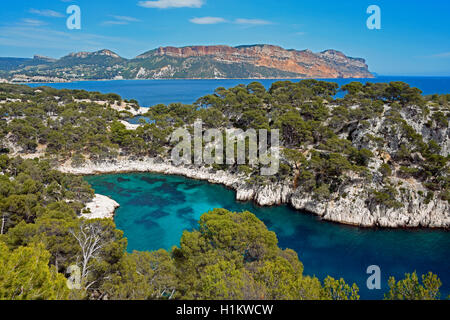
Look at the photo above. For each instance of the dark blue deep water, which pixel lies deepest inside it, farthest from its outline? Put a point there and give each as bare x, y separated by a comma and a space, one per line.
152, 92
156, 209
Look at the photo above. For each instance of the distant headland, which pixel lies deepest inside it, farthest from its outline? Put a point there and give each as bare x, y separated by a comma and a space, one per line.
192, 62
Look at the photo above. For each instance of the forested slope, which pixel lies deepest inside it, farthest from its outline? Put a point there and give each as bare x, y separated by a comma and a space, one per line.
381, 136
377, 156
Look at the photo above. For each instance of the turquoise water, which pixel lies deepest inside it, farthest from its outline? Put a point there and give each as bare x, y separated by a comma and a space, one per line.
152, 92
156, 209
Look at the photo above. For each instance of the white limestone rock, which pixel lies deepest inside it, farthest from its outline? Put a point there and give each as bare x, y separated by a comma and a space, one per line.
101, 207
352, 209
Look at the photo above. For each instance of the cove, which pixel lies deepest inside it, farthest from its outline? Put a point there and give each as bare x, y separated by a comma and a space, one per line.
156, 209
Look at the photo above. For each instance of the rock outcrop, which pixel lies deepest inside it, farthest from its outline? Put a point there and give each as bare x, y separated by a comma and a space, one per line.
195, 62
305, 63
101, 207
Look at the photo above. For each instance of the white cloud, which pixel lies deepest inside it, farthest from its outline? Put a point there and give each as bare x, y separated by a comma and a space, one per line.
125, 18
441, 55
32, 22
43, 38
47, 13
114, 22
215, 20
164, 4
255, 22
207, 20
120, 20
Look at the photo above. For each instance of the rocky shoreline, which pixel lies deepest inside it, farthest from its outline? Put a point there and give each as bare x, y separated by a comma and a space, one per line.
101, 207
352, 209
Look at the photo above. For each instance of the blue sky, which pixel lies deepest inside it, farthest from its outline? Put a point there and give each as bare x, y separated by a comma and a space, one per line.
414, 38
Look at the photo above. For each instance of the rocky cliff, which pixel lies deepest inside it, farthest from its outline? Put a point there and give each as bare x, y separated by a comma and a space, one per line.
199, 62
263, 59
351, 210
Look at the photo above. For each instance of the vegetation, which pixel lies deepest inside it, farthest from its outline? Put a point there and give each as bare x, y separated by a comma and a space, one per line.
230, 255
26, 275
411, 289
327, 145
334, 137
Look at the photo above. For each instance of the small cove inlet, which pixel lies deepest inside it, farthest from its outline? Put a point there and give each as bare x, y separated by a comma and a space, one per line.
156, 209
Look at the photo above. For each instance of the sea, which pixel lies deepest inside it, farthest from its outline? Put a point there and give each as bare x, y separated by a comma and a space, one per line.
152, 92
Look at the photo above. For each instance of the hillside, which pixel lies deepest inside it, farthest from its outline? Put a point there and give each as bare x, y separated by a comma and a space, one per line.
194, 62
377, 157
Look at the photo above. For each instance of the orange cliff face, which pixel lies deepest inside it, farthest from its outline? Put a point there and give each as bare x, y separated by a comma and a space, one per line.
326, 64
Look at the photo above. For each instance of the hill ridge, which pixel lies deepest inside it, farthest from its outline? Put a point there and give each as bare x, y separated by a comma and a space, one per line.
256, 61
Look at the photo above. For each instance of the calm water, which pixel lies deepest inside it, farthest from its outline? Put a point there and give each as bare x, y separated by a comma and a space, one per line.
152, 92
155, 209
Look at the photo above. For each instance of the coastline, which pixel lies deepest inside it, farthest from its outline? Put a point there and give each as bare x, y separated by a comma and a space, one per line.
101, 207
351, 210
180, 79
